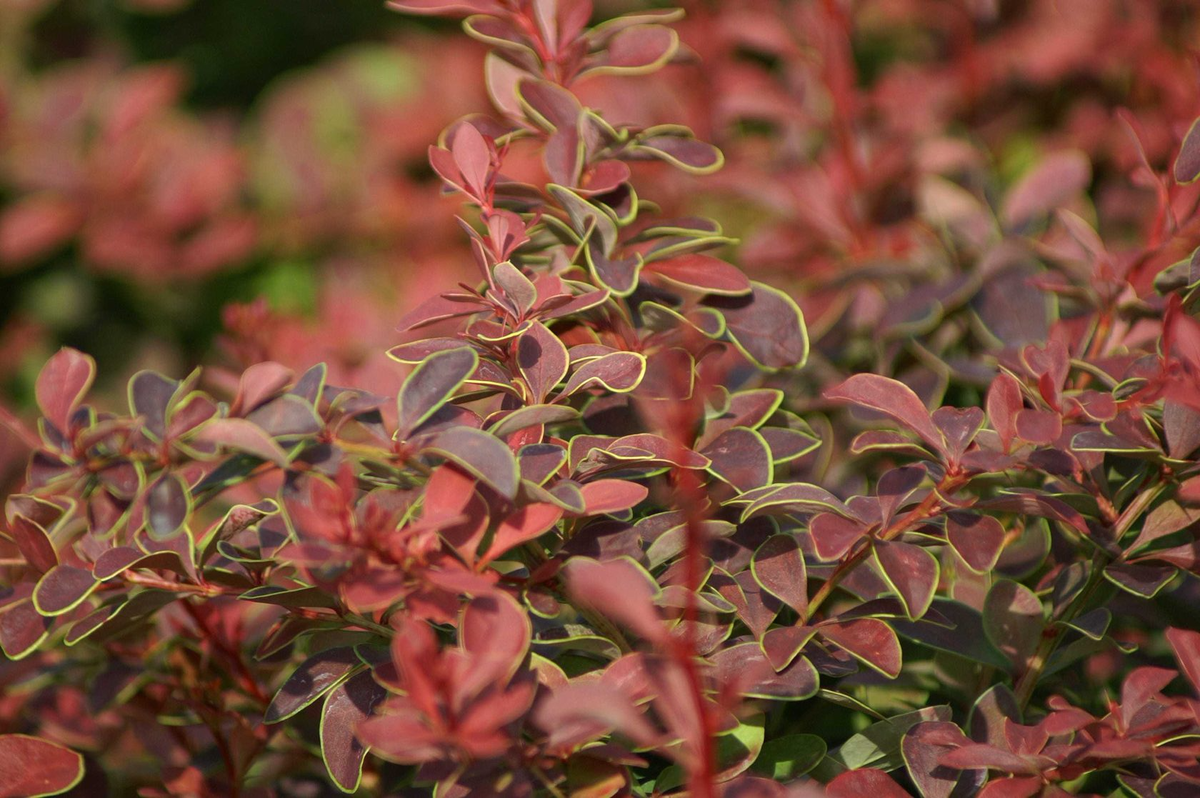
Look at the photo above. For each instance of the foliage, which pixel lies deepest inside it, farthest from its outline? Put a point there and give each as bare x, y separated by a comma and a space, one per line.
618, 531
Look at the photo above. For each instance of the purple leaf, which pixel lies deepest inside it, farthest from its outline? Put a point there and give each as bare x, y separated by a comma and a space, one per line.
766, 326
1012, 620
284, 416
542, 360
319, 674
618, 275
778, 566
484, 456
150, 395
435, 309
989, 713
348, 705
114, 561
31, 766
168, 505
62, 589
1187, 163
430, 385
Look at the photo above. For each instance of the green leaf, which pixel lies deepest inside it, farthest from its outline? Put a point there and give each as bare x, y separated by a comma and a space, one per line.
789, 757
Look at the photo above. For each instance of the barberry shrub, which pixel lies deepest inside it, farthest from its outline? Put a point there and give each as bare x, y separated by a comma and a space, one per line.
584, 552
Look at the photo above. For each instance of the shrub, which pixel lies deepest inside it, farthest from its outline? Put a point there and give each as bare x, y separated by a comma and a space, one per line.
584, 550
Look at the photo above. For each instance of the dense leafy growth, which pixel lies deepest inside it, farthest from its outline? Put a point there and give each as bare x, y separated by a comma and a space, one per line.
617, 533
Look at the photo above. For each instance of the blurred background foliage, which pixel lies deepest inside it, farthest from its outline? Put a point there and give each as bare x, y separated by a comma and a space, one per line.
228, 181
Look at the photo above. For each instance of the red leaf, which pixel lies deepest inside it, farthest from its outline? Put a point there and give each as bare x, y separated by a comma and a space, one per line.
473, 158
640, 47
495, 631
1038, 426
703, 272
911, 571
978, 539
30, 766
33, 543
62, 384
869, 640
894, 399
864, 783
1054, 181
834, 535
620, 589
778, 565
1186, 645
33, 225
1012, 788
243, 436
586, 710
612, 495
745, 667
923, 747
1141, 685
528, 523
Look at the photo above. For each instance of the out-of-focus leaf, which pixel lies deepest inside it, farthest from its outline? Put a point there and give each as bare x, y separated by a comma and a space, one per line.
31, 767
